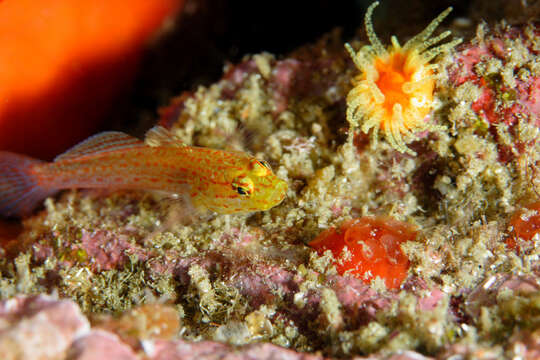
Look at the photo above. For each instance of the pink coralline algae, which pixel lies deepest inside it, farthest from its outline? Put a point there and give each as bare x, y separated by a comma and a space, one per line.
509, 88
100, 344
39, 327
209, 350
431, 300
107, 251
354, 294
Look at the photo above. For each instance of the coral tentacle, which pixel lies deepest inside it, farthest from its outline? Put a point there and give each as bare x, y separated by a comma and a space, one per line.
394, 91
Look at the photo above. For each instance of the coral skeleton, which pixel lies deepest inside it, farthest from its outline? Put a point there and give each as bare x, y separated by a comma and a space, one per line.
394, 91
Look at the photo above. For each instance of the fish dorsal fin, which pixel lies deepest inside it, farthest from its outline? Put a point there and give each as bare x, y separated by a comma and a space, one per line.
101, 143
159, 136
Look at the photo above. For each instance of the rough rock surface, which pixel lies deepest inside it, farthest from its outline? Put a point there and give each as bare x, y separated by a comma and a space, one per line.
248, 286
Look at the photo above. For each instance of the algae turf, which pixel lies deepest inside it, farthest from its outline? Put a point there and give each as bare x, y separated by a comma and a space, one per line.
251, 278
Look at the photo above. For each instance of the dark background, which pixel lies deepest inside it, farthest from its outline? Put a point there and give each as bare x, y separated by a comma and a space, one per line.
209, 33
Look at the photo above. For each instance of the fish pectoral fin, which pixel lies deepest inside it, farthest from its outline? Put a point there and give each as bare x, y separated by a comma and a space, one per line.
159, 136
101, 143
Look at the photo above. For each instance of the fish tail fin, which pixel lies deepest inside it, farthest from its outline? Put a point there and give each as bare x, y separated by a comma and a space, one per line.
20, 192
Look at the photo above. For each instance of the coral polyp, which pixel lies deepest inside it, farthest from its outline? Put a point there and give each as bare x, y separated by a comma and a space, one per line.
394, 91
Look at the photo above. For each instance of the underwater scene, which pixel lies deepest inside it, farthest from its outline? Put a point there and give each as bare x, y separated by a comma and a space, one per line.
369, 191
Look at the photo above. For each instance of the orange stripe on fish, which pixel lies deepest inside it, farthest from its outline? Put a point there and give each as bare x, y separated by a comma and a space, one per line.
217, 180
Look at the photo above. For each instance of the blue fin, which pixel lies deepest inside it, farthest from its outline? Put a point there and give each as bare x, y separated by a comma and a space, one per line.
101, 143
19, 191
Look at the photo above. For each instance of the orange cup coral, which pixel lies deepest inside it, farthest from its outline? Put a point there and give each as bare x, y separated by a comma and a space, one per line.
394, 91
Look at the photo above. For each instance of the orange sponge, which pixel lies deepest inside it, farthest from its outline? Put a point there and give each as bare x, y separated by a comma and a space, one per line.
369, 247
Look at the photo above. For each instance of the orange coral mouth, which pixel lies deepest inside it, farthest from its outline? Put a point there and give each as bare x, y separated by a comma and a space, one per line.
392, 76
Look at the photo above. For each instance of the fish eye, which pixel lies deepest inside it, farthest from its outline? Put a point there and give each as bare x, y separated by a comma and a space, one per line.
242, 190
243, 185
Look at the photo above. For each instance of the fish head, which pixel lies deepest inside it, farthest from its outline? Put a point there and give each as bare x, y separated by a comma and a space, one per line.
250, 187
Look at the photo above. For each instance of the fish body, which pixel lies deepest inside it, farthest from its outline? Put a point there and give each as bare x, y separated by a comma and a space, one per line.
221, 181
